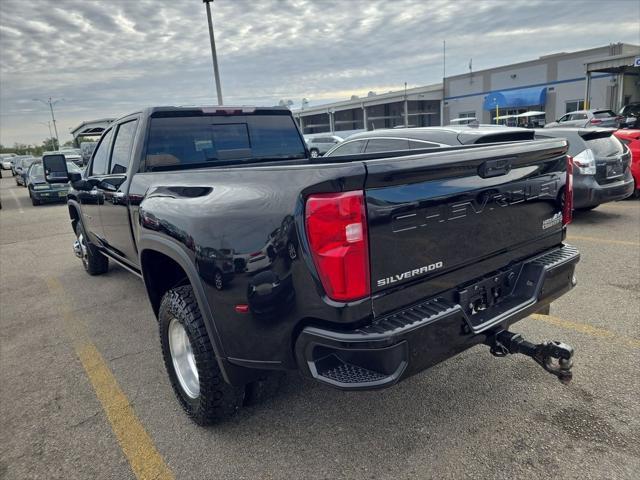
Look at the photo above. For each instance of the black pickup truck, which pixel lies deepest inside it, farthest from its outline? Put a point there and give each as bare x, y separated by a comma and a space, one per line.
358, 271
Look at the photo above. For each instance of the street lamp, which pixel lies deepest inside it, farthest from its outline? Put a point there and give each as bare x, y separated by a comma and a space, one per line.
214, 56
53, 118
48, 124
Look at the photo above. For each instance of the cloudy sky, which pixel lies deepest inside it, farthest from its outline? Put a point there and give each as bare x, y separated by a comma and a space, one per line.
108, 57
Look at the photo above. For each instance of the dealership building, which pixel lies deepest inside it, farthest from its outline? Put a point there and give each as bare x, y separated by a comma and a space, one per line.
552, 85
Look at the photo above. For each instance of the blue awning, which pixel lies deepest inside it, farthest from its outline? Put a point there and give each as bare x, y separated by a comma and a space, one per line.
520, 97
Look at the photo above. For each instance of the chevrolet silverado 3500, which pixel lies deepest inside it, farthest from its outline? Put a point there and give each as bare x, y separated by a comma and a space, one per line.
358, 271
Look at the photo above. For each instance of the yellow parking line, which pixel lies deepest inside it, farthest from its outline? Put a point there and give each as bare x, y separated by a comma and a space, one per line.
588, 330
603, 240
137, 446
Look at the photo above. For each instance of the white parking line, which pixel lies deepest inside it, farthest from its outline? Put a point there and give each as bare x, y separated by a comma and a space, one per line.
15, 197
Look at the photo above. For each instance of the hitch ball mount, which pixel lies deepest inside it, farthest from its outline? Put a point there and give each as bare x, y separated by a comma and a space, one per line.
555, 357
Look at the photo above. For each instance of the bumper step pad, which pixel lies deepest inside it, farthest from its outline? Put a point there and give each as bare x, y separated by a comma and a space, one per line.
347, 373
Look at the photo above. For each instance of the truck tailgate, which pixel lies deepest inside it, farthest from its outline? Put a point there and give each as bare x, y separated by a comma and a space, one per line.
441, 212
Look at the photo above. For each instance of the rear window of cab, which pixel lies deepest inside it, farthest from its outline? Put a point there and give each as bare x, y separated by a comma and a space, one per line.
199, 141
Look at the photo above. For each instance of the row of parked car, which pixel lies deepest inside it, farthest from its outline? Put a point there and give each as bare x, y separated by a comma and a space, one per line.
606, 161
628, 117
29, 172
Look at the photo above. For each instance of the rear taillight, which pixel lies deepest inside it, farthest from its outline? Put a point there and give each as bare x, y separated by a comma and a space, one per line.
337, 230
567, 207
585, 162
595, 121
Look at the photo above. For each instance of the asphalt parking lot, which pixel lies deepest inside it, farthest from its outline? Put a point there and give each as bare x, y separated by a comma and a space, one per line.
84, 393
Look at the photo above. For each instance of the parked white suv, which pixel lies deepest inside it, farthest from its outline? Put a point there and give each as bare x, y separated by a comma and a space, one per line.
587, 119
321, 144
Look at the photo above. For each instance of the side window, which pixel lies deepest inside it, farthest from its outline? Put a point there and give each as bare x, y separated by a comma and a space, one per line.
387, 145
122, 147
579, 116
349, 148
101, 157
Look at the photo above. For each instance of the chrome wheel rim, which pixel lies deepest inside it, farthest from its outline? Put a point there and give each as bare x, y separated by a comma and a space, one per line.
84, 255
218, 281
314, 154
184, 362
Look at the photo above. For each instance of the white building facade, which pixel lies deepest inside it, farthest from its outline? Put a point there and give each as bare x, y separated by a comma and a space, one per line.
553, 84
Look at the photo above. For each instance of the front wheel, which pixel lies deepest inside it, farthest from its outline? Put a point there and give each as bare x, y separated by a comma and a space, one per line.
314, 153
93, 261
191, 362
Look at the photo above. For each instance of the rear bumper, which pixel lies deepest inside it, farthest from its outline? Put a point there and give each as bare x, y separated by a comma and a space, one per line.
408, 341
49, 195
587, 192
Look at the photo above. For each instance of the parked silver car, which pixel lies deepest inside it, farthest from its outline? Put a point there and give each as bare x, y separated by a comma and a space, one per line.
321, 144
594, 118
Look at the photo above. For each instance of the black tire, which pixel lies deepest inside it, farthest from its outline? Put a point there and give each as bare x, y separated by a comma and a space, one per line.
94, 262
216, 400
35, 202
314, 152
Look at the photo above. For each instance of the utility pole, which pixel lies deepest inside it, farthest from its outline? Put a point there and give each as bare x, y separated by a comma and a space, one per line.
48, 124
406, 107
51, 103
444, 59
214, 56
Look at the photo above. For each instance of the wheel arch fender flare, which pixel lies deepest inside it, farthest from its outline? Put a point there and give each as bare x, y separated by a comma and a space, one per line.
74, 205
177, 253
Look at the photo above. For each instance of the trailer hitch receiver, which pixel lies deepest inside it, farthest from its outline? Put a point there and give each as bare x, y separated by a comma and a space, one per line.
555, 357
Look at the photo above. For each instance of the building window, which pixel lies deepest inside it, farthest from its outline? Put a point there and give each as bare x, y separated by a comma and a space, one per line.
467, 115
574, 105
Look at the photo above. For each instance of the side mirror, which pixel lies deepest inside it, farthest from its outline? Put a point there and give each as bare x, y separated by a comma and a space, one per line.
75, 177
55, 169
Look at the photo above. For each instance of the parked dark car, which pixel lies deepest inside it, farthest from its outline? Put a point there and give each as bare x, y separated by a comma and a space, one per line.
21, 168
40, 191
630, 115
353, 270
594, 118
601, 165
399, 139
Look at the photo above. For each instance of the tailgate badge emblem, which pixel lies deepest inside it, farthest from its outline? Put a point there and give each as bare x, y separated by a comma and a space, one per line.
411, 273
550, 222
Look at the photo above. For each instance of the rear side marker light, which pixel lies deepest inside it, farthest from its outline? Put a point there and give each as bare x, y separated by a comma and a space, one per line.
336, 225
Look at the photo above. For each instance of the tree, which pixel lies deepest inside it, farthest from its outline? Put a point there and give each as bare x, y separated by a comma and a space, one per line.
49, 144
285, 103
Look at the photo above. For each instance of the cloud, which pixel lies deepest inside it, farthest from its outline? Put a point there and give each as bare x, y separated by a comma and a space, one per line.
107, 58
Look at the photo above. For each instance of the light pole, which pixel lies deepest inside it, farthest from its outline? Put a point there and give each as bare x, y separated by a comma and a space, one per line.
214, 56
48, 124
53, 118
